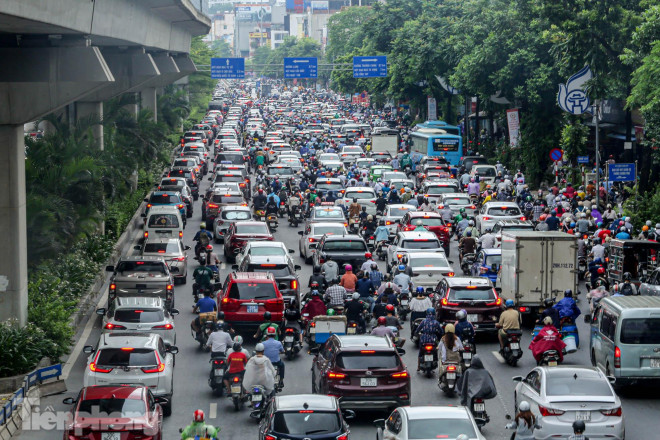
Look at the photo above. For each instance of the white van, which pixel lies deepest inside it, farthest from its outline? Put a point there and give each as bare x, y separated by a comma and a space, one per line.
163, 222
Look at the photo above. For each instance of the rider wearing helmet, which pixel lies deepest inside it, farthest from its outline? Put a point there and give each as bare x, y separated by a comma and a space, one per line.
261, 332
464, 328
418, 305
627, 288
315, 307
509, 320
567, 307
429, 331
578, 431
317, 277
419, 226
524, 422
198, 428
212, 261
382, 329
219, 341
366, 266
236, 360
354, 312
551, 312
403, 280
466, 245
348, 280
259, 371
272, 350
203, 237
471, 229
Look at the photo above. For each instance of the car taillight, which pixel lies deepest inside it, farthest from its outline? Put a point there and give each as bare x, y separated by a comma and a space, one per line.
163, 327
94, 368
180, 206
294, 284
523, 218
212, 205
616, 412
149, 205
311, 240
170, 288
451, 274
445, 302
146, 234
402, 375
342, 437
498, 302
270, 437
110, 326
113, 288
617, 357
160, 367
522, 309
485, 218
332, 375
181, 236
545, 412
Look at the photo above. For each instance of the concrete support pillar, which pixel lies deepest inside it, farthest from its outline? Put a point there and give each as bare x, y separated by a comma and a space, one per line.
149, 101
13, 240
134, 108
95, 111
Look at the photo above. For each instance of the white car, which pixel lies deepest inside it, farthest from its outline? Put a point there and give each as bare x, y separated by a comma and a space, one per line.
393, 215
290, 161
402, 183
327, 157
263, 249
132, 359
411, 241
366, 197
566, 393
313, 233
486, 172
429, 268
333, 165
456, 201
428, 422
492, 212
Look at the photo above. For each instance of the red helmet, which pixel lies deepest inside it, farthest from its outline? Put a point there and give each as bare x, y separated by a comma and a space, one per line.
382, 320
390, 308
198, 415
367, 255
270, 331
601, 271
209, 247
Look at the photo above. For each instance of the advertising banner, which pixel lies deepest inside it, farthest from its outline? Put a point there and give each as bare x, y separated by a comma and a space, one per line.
513, 120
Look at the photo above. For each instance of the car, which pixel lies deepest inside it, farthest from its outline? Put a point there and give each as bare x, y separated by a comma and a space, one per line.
217, 200
239, 233
246, 296
393, 215
157, 198
469, 161
429, 268
139, 314
487, 173
428, 422
290, 161
132, 411
141, 276
191, 178
381, 156
386, 176
172, 251
456, 201
342, 249
511, 225
133, 358
476, 295
325, 214
408, 241
280, 171
222, 175
231, 157
228, 215
333, 165
566, 393
487, 264
323, 158
435, 189
492, 212
263, 249
402, 183
280, 266
432, 171
376, 171
366, 198
432, 221
312, 234
163, 221
364, 163
184, 190
363, 372
325, 184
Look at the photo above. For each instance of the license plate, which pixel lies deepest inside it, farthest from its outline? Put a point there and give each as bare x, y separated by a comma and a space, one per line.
219, 373
253, 309
552, 364
288, 339
428, 358
110, 436
312, 330
467, 355
655, 363
515, 346
368, 382
583, 415
473, 318
451, 375
256, 398
350, 331
236, 389
404, 302
479, 407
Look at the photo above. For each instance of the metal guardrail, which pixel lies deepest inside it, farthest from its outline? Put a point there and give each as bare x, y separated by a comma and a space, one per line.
31, 379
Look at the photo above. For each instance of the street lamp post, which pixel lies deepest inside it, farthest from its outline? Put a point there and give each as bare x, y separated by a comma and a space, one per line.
596, 118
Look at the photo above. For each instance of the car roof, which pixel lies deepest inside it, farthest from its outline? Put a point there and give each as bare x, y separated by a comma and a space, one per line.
165, 209
497, 204
127, 302
334, 237
279, 244
140, 258
328, 224
424, 214
253, 276
363, 341
129, 339
466, 281
459, 195
161, 240
250, 223
407, 235
307, 401
360, 189
235, 208
569, 370
435, 412
112, 391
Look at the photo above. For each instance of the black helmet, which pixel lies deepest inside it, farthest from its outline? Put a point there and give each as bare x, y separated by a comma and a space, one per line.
267, 316
317, 268
578, 426
221, 316
627, 276
568, 293
354, 200
236, 346
548, 302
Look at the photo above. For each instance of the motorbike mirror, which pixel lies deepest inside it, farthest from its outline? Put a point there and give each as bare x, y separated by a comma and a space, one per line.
100, 311
296, 267
234, 267
348, 414
498, 290
301, 233
174, 312
162, 400
517, 378
210, 179
451, 262
401, 351
146, 200
611, 379
143, 215
256, 414
508, 416
186, 247
180, 430
379, 423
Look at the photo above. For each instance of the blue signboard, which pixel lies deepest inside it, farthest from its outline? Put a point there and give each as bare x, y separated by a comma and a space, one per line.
370, 67
301, 67
583, 159
227, 68
621, 172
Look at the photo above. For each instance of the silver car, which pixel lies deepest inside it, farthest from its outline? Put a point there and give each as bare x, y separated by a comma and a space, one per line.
366, 198
264, 249
564, 394
229, 214
310, 237
492, 212
427, 423
393, 215
139, 315
456, 201
172, 251
429, 268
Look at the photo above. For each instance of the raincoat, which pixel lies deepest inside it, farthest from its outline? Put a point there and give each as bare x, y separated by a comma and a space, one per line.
548, 338
476, 382
259, 371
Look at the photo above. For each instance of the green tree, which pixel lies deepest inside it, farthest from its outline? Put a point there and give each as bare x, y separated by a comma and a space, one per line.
346, 32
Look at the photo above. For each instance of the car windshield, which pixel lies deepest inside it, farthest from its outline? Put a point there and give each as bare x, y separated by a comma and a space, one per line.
267, 251
135, 316
329, 213
163, 221
328, 186
280, 171
360, 195
389, 175
451, 201
226, 199
486, 171
345, 245
278, 270
493, 259
141, 266
420, 243
124, 408
640, 331
427, 221
251, 290
352, 150
236, 159
436, 189
367, 361
439, 428
164, 199
379, 171
229, 178
320, 230
170, 247
573, 383
127, 357
252, 229
501, 211
184, 163
398, 212
465, 293
430, 261
236, 215
305, 422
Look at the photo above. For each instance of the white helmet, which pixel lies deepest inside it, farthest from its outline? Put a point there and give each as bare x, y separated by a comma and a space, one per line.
356, 295
524, 406
471, 223
259, 348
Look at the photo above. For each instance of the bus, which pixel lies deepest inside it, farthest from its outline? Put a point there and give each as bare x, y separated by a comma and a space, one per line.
442, 125
437, 142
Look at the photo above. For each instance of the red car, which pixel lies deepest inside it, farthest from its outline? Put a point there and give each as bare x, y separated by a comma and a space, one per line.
99, 411
246, 296
239, 233
431, 221
362, 372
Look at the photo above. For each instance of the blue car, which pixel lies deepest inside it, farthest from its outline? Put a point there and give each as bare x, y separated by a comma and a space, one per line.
160, 198
487, 264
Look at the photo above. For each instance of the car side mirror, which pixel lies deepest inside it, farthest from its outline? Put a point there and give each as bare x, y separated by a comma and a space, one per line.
348, 414
109, 268
256, 414
587, 318
162, 400
517, 378
292, 251
146, 200
173, 349
100, 311
174, 312
88, 349
187, 248
401, 351
380, 423
210, 179
68, 401
234, 267
217, 286
137, 248
611, 379
143, 215
296, 267
498, 290
314, 350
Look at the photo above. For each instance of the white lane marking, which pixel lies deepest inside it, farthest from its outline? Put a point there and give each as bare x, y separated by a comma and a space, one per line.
499, 357
223, 265
213, 410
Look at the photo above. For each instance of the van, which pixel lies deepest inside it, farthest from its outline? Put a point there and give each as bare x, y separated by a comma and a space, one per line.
163, 222
625, 339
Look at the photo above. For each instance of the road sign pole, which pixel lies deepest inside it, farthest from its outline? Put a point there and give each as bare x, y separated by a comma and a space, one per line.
597, 114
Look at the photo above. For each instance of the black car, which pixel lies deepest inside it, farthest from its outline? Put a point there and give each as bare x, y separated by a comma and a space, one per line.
342, 249
305, 416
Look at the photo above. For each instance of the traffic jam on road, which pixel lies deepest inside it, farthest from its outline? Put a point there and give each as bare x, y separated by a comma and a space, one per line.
311, 269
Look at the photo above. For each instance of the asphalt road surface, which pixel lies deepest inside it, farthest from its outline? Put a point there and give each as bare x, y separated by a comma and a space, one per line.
191, 391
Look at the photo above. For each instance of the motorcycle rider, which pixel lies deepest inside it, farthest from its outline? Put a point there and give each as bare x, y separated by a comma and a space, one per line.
366, 289
354, 312
199, 429
259, 201
204, 305
212, 260
548, 338
354, 209
369, 226
488, 240
203, 276
376, 276
471, 229
317, 278
509, 320
315, 307
330, 270
403, 280
366, 266
272, 350
419, 226
292, 318
463, 325
596, 294
219, 341
259, 371
261, 331
272, 207
419, 304
524, 423
236, 360
446, 213
550, 312
578, 431
382, 329
203, 238
348, 280
450, 348
382, 232
627, 288
567, 307
429, 331
335, 295
467, 245
476, 383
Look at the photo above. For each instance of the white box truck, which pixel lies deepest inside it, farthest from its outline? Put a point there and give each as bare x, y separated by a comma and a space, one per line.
537, 265
385, 142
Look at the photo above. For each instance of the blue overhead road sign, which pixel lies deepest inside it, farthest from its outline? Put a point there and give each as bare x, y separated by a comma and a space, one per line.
370, 67
621, 172
227, 68
301, 67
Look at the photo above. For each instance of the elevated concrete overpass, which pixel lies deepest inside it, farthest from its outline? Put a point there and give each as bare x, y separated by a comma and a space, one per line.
58, 52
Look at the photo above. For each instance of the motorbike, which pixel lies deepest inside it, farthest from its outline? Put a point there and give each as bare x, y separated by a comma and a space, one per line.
449, 377
467, 262
429, 359
469, 349
258, 401
281, 210
291, 342
370, 239
549, 358
203, 336
582, 267
381, 250
260, 215
478, 409
404, 305
398, 341
295, 216
413, 329
352, 328
201, 257
237, 392
354, 224
512, 352
273, 223
218, 369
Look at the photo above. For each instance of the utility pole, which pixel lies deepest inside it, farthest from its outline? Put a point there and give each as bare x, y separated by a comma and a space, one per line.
596, 121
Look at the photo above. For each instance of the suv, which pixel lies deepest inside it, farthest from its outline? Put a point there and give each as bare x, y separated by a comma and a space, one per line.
342, 249
327, 214
158, 198
511, 225
218, 200
133, 358
226, 217
173, 251
417, 241
245, 296
239, 233
492, 212
141, 276
431, 221
364, 372
476, 295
